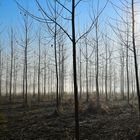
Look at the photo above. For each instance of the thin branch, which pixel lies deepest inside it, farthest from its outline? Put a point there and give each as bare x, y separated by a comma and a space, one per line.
63, 6
93, 23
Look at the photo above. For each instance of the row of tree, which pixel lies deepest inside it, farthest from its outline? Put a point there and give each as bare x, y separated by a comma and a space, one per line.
104, 61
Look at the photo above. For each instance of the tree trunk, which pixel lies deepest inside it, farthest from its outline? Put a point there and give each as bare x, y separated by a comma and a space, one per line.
45, 75
7, 79
56, 68
135, 55
97, 67
80, 75
122, 74
106, 69
75, 74
11, 68
87, 72
34, 79
1, 71
26, 61
39, 41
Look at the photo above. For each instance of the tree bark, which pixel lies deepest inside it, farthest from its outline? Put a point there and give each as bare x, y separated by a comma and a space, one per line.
75, 74
135, 55
11, 68
97, 67
39, 43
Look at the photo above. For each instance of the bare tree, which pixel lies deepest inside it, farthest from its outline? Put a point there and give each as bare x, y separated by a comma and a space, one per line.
106, 70
1, 68
25, 42
15, 72
61, 68
80, 74
7, 76
123, 33
135, 54
46, 18
34, 77
39, 58
97, 66
87, 91
45, 71
122, 72
11, 68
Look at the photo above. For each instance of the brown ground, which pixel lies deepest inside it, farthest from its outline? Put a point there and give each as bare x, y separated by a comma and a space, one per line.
115, 121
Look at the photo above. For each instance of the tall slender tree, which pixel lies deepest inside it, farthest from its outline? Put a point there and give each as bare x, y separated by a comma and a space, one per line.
11, 68
135, 53
48, 19
39, 60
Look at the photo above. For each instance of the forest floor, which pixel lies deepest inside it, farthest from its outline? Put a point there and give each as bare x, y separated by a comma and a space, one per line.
115, 121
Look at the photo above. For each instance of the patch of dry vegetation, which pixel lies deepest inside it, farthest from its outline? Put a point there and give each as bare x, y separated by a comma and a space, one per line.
114, 120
